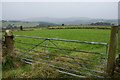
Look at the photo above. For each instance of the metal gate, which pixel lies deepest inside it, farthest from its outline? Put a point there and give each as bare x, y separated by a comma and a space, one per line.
63, 55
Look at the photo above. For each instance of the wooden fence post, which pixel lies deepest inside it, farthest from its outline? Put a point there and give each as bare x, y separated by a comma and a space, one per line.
112, 51
11, 58
9, 42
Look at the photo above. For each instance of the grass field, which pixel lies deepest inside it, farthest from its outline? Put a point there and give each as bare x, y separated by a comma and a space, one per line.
91, 35
70, 34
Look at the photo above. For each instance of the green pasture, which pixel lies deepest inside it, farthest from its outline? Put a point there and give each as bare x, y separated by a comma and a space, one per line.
91, 35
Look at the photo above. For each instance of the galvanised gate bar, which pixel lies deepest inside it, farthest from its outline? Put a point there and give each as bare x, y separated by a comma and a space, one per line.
63, 61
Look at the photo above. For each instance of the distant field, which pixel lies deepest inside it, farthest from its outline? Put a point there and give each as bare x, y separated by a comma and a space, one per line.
32, 24
80, 26
26, 25
20, 24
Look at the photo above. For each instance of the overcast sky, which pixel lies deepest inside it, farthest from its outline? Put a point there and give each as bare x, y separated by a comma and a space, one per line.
23, 10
